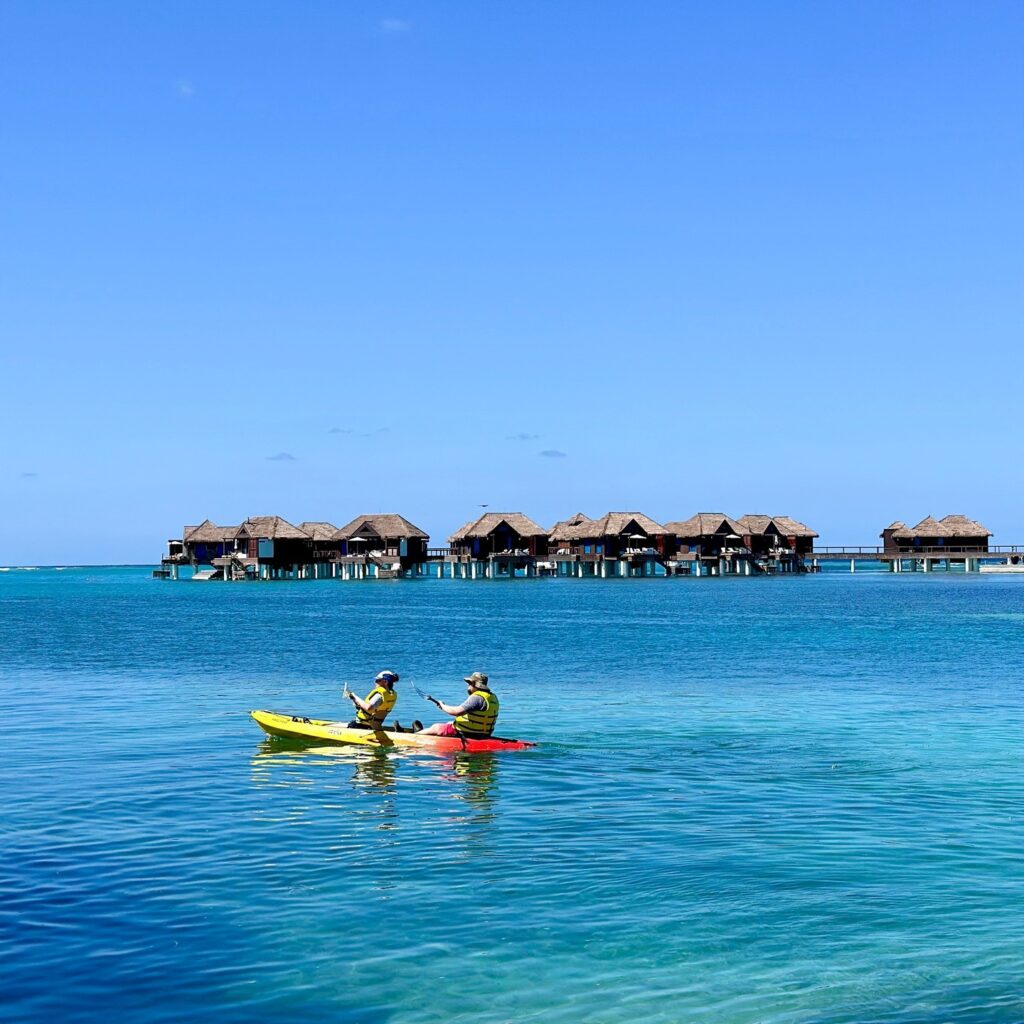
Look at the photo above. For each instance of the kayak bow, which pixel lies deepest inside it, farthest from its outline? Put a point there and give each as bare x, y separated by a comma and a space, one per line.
297, 727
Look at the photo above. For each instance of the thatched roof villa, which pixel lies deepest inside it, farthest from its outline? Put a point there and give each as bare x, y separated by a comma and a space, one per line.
705, 535
384, 533
953, 533
208, 541
613, 535
499, 533
319, 531
763, 534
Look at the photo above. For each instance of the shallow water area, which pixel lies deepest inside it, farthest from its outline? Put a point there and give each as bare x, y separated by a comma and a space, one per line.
754, 800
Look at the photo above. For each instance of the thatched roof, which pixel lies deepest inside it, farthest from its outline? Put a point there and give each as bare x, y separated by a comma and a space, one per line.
961, 526
389, 525
705, 524
562, 529
461, 532
614, 524
792, 528
897, 525
272, 528
208, 532
948, 526
490, 521
785, 526
755, 524
319, 530
928, 527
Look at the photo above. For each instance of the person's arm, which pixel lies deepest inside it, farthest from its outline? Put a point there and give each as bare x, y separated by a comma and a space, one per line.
473, 703
365, 706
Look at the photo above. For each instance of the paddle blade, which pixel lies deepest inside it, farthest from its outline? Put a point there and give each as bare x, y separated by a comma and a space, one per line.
380, 735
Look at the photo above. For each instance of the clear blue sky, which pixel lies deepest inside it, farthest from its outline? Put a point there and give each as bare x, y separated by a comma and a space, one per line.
318, 259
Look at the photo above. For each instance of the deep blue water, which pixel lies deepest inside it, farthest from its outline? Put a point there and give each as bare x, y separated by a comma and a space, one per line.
755, 800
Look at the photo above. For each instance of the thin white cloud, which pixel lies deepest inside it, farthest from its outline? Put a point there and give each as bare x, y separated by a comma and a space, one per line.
282, 457
185, 88
552, 453
393, 25
360, 433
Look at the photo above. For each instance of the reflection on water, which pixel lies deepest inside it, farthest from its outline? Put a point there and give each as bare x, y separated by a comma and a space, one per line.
384, 775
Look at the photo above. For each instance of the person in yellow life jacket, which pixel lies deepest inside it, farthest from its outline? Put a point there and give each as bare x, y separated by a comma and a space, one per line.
475, 717
377, 704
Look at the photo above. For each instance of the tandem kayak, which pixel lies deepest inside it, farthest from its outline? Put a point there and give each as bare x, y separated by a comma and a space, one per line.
296, 727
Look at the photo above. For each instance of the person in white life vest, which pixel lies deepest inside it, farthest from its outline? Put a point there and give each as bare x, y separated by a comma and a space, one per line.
475, 717
372, 709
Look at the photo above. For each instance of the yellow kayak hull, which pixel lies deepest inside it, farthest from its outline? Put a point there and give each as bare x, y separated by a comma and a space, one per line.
298, 727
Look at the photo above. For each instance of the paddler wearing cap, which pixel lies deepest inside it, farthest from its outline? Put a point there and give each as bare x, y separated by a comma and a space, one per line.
377, 704
475, 717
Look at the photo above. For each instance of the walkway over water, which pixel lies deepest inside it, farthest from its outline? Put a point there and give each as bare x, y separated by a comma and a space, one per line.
879, 554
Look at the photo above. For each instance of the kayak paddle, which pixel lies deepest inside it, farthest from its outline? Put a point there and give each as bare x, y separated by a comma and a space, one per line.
426, 696
375, 727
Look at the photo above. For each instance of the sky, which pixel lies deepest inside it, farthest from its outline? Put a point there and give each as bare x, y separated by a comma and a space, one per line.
319, 259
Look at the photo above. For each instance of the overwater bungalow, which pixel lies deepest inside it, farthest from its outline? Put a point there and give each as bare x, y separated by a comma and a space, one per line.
275, 549
777, 543
201, 545
322, 549
934, 539
615, 544
710, 543
382, 544
498, 543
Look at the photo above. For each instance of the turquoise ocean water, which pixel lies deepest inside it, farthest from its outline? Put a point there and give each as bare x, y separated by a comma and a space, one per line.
755, 800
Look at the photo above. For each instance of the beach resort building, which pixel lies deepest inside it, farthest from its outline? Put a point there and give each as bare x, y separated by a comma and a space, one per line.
381, 544
710, 543
777, 543
207, 541
275, 549
953, 534
497, 543
615, 544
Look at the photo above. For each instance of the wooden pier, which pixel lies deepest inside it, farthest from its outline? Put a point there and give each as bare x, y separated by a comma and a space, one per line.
923, 559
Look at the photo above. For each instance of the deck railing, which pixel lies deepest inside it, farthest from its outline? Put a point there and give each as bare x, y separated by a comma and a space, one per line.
913, 552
